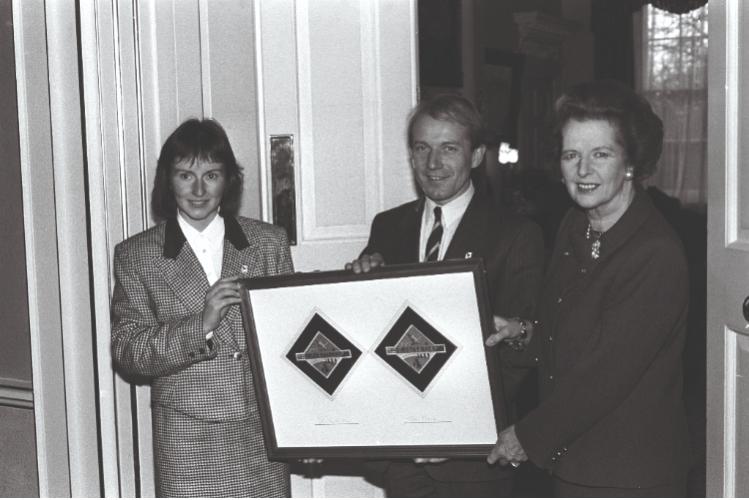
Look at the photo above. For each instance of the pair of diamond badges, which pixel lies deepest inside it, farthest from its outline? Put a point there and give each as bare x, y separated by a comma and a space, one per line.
412, 347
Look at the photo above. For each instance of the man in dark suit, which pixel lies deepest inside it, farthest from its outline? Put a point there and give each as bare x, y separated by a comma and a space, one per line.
455, 220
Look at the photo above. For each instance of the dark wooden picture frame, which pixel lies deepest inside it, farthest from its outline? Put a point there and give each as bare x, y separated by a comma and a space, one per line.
292, 409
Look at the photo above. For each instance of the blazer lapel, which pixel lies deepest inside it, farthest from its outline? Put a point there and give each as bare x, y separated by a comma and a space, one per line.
184, 274
181, 269
411, 233
239, 258
468, 240
238, 253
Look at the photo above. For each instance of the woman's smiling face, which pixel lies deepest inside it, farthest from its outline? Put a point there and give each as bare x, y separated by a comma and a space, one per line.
198, 187
595, 169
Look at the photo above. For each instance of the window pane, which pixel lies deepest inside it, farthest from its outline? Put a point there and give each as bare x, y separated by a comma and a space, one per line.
675, 83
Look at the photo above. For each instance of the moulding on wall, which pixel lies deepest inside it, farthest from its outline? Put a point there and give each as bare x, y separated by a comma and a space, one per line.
16, 393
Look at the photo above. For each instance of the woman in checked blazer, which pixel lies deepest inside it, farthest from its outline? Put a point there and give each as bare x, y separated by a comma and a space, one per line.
175, 319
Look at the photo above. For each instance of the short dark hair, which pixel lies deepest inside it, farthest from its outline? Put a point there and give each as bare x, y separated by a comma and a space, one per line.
639, 128
452, 108
194, 140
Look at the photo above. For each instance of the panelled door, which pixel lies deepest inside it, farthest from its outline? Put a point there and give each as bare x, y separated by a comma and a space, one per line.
728, 250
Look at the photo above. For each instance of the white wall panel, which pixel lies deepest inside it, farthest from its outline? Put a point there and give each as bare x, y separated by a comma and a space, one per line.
332, 99
37, 176
354, 68
229, 75
70, 210
116, 199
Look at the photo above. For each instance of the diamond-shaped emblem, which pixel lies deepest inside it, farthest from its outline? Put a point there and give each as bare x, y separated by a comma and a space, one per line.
323, 354
415, 349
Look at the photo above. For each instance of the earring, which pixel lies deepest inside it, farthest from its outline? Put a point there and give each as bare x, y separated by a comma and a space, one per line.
628, 174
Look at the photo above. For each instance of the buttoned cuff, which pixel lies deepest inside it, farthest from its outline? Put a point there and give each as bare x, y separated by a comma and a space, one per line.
535, 443
200, 346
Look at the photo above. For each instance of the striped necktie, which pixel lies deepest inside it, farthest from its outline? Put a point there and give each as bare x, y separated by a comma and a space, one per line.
433, 242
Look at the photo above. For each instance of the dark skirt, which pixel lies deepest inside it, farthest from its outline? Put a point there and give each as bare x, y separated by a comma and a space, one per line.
197, 458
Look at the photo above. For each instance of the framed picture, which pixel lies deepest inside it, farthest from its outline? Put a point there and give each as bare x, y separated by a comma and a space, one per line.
499, 93
385, 364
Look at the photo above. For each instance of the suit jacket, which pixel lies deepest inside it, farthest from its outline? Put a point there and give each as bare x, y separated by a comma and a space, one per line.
513, 254
157, 333
609, 344
157, 307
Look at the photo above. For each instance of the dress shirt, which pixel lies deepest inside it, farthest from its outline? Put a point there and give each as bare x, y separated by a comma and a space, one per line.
207, 245
452, 213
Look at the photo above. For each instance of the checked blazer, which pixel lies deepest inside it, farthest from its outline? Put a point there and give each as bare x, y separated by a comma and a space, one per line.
512, 249
157, 306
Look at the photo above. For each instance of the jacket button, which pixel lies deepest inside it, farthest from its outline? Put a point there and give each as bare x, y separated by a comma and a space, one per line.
201, 350
237, 355
559, 300
191, 354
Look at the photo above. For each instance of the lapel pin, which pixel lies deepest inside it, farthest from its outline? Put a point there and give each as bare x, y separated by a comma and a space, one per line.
245, 269
468, 255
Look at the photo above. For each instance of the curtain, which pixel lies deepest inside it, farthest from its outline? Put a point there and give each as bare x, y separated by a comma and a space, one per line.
674, 80
672, 6
613, 56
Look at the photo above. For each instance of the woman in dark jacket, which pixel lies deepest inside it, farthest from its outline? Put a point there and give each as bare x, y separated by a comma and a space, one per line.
611, 321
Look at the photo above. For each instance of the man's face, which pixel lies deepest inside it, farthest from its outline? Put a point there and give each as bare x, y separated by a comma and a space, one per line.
442, 158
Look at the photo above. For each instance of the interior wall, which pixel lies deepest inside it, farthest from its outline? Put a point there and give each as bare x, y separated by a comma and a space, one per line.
18, 473
495, 28
496, 25
15, 354
18, 477
15, 365
578, 48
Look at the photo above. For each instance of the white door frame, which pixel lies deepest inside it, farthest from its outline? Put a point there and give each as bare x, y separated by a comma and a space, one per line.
728, 250
53, 183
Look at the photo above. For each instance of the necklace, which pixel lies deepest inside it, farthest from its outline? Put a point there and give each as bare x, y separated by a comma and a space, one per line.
595, 247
